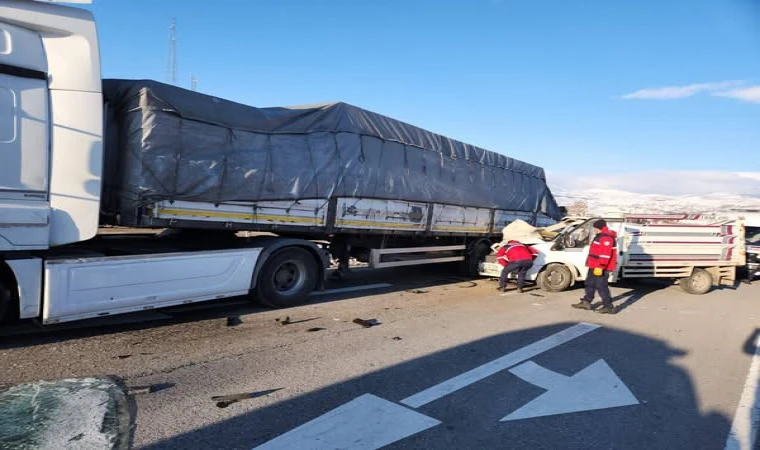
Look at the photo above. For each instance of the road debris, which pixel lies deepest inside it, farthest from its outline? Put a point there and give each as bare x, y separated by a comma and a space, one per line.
397, 338
366, 323
417, 291
139, 390
223, 401
149, 389
122, 356
311, 330
233, 321
283, 322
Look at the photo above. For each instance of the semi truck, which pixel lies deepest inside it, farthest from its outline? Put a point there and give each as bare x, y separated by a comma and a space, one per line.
303, 184
698, 254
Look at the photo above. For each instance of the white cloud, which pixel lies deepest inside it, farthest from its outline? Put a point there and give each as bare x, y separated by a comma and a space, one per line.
662, 182
675, 92
750, 175
748, 94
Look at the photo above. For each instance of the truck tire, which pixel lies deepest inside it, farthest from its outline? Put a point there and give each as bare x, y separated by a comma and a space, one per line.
555, 278
287, 278
470, 266
700, 282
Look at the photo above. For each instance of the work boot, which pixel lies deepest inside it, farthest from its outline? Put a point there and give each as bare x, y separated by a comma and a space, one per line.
520, 290
583, 304
501, 289
606, 309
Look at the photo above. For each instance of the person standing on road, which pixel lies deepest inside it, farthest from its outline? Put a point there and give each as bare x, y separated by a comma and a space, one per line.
602, 259
515, 257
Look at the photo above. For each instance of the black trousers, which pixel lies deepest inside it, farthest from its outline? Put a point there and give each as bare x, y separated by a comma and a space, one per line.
598, 284
521, 267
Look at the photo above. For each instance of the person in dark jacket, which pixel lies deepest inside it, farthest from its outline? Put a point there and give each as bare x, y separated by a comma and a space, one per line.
602, 259
515, 257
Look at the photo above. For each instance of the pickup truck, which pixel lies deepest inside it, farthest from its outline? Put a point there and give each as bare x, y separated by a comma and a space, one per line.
698, 255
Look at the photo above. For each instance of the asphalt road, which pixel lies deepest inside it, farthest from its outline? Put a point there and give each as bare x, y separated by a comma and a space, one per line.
450, 364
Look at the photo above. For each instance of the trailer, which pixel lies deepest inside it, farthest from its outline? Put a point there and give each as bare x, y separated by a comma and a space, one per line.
698, 255
304, 185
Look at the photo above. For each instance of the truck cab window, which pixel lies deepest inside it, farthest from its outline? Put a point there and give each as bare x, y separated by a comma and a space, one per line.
580, 237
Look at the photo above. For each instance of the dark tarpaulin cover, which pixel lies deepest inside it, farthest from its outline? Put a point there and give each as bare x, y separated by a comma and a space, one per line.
168, 143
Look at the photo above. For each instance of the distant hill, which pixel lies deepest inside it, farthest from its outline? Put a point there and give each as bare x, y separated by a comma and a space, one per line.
600, 201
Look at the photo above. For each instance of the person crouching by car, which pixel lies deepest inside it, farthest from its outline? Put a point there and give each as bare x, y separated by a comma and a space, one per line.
515, 257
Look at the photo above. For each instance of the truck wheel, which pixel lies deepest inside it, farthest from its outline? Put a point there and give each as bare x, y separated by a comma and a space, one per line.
470, 266
287, 278
555, 278
700, 282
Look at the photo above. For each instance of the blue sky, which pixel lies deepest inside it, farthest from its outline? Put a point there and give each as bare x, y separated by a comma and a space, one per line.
544, 81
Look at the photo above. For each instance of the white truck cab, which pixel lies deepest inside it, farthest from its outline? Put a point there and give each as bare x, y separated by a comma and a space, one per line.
570, 251
51, 125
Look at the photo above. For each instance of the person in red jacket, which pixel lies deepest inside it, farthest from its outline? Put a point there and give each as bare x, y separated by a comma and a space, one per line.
602, 259
515, 257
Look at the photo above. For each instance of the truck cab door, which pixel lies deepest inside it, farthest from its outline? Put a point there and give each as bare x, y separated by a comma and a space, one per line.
576, 245
24, 140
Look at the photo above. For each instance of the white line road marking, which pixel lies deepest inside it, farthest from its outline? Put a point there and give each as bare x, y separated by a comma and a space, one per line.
351, 289
472, 376
367, 422
595, 387
743, 433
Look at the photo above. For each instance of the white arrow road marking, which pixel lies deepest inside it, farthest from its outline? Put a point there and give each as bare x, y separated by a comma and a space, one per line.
497, 365
367, 422
595, 387
743, 433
